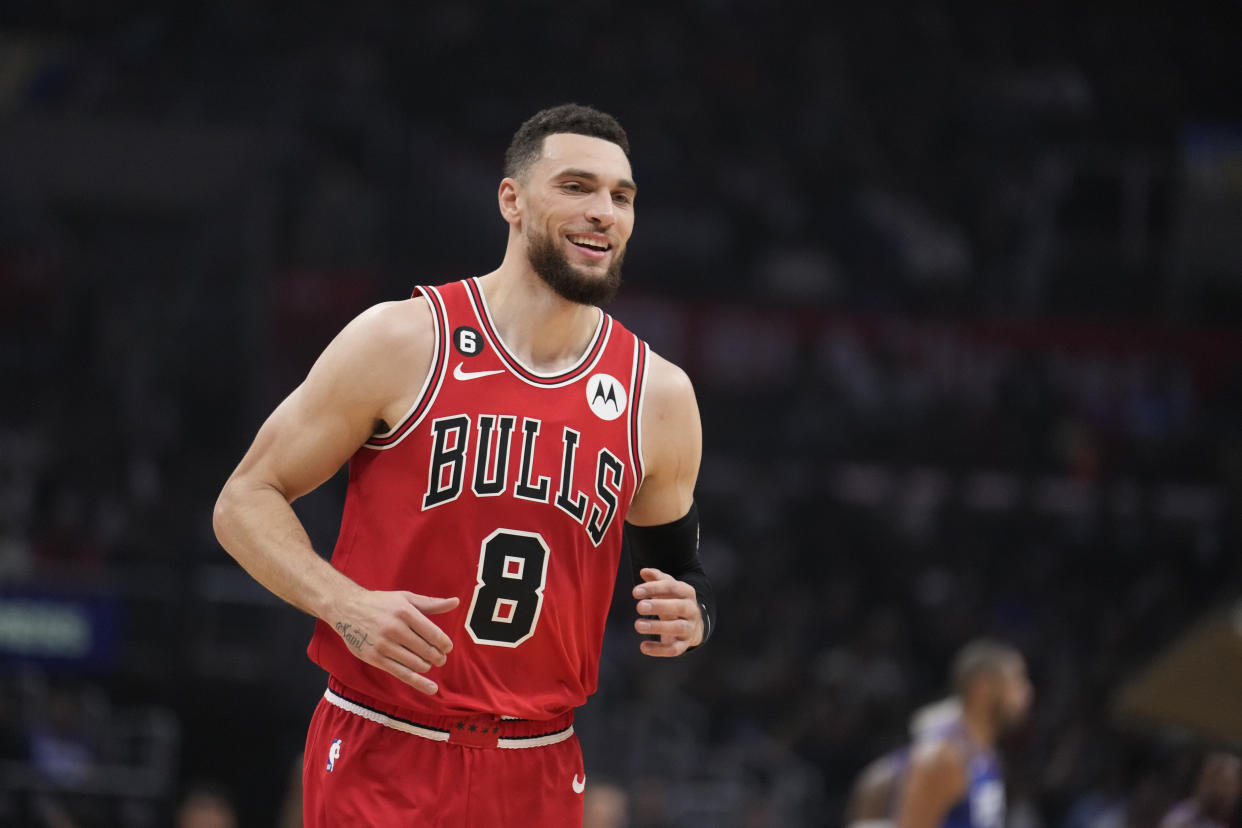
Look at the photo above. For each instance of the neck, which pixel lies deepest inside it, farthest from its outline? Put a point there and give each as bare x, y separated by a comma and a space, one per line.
546, 332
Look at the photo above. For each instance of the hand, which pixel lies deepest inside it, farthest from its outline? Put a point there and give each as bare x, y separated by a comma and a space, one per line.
679, 618
391, 631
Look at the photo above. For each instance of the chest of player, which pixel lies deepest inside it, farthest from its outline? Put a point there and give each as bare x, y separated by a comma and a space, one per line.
492, 441
574, 466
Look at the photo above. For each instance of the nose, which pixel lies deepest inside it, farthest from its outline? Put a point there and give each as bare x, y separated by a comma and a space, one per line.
600, 210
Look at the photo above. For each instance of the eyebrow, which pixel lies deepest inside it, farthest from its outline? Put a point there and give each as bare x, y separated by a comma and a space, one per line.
573, 172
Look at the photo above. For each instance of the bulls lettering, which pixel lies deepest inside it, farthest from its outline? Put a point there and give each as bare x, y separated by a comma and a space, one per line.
526, 488
492, 468
495, 483
608, 475
448, 456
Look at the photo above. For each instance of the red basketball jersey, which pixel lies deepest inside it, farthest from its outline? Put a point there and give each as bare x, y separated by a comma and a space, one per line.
508, 489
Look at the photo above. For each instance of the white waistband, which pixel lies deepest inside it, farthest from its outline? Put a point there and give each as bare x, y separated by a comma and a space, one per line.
434, 734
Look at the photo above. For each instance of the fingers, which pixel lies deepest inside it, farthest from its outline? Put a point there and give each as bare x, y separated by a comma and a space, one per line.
650, 573
662, 649
401, 671
667, 607
672, 628
671, 615
392, 631
403, 655
417, 621
434, 606
657, 584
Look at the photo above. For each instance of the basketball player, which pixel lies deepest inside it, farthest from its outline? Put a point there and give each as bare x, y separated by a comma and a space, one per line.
1218, 790
953, 777
500, 432
873, 796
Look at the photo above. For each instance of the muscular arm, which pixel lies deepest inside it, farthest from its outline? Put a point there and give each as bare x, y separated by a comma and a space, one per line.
672, 448
935, 781
872, 796
368, 375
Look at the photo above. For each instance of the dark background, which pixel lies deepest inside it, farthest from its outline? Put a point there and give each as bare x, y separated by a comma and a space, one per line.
959, 287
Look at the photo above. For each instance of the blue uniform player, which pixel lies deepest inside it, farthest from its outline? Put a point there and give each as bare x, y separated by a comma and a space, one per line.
953, 777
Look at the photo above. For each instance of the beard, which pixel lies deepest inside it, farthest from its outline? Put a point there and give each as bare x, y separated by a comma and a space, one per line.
552, 266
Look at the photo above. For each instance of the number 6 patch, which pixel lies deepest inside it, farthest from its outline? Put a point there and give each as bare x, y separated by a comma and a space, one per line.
513, 567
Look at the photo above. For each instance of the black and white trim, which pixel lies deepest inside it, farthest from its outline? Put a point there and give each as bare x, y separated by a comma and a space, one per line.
638, 396
433, 733
436, 734
432, 383
590, 358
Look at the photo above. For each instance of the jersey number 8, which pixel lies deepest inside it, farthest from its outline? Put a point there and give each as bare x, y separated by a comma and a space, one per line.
513, 567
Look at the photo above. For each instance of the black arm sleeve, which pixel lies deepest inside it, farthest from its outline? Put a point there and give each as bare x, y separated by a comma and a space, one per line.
674, 548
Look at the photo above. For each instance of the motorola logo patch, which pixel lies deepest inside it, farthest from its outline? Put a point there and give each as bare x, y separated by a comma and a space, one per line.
606, 396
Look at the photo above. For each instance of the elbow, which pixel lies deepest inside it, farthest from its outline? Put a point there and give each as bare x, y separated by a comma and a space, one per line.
228, 511
222, 514
236, 508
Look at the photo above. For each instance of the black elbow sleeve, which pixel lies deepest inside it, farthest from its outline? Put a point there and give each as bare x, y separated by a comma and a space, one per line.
674, 548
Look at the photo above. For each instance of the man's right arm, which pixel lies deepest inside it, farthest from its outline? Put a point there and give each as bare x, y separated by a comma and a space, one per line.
935, 781
367, 376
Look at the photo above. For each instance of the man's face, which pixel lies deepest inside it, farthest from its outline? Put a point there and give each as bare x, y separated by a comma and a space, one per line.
577, 215
1012, 693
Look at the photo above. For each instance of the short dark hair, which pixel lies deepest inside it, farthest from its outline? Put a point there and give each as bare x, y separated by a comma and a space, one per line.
983, 656
574, 118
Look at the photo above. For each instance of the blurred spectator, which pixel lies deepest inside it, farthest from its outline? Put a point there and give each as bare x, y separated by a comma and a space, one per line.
1214, 803
206, 805
605, 805
62, 740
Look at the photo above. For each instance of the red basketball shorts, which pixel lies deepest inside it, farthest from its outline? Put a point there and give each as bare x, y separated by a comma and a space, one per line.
370, 765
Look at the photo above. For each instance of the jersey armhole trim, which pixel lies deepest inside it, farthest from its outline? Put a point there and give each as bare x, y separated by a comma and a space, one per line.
431, 385
638, 385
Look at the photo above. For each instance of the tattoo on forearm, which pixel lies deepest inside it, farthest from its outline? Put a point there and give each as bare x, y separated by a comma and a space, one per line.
355, 639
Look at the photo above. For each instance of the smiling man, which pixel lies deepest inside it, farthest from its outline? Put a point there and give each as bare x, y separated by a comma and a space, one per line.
500, 433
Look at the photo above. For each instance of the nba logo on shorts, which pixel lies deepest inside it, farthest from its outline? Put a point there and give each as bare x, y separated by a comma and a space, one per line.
334, 753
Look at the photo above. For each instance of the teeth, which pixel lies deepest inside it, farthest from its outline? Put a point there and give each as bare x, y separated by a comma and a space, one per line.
589, 242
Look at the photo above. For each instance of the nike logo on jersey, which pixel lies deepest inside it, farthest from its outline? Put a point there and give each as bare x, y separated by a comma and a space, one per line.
469, 375
579, 787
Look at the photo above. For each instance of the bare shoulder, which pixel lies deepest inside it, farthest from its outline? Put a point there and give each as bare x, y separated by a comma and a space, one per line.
939, 759
406, 325
385, 334
670, 412
379, 360
672, 445
668, 387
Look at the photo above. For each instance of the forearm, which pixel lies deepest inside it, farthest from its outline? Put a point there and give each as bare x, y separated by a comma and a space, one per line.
673, 548
257, 526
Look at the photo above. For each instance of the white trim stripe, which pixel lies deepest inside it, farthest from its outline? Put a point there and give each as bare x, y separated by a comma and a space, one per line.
440, 316
440, 735
386, 721
641, 471
536, 741
635, 466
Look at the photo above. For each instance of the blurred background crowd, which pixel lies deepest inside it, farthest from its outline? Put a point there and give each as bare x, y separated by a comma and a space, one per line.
959, 286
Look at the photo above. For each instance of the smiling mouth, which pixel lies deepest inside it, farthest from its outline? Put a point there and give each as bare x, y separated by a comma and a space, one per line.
593, 244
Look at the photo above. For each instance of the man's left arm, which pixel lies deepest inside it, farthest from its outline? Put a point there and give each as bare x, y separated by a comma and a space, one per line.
675, 601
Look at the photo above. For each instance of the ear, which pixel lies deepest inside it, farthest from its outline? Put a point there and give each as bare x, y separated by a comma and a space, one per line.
510, 200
